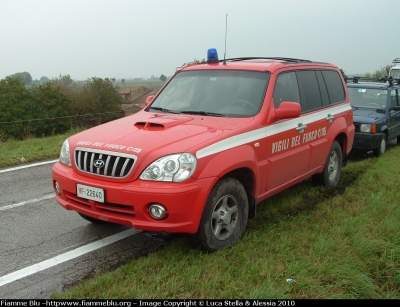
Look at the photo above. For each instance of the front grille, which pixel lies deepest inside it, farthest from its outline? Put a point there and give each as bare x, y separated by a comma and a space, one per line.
104, 163
357, 126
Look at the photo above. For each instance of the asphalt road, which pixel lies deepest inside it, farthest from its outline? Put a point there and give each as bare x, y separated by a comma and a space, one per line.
45, 248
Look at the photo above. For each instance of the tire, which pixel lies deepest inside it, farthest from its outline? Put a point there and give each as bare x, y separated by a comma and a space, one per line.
92, 219
333, 168
382, 147
224, 216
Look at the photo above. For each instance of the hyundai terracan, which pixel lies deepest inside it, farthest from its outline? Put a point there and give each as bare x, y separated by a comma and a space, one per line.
218, 139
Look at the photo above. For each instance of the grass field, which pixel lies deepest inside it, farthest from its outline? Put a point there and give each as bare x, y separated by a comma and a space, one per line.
32, 149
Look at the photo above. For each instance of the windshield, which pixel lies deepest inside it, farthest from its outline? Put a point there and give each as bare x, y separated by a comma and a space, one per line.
368, 98
230, 93
395, 73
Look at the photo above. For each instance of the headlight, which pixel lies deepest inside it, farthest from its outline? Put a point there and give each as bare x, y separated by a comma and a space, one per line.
177, 168
64, 153
365, 128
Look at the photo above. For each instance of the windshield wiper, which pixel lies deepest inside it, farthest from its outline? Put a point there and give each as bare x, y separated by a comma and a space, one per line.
203, 113
163, 110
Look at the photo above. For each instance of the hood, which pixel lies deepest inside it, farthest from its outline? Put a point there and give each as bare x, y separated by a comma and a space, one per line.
367, 116
143, 133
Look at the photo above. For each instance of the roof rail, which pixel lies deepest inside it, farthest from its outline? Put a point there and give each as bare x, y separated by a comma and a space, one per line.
287, 60
355, 79
292, 60
389, 79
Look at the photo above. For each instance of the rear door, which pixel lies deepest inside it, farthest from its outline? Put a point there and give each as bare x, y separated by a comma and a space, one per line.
322, 95
302, 144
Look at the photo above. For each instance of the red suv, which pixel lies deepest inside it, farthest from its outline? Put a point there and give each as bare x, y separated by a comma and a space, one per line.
218, 139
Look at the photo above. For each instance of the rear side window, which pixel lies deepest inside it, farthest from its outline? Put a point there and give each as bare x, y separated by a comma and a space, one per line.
309, 90
322, 87
334, 86
313, 89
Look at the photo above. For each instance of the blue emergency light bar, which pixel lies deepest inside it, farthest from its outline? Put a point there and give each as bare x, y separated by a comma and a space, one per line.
212, 55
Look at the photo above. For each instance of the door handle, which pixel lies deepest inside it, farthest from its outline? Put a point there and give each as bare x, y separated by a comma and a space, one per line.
300, 127
330, 118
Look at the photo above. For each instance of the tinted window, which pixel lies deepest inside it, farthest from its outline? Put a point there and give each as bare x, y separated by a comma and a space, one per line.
323, 90
309, 90
286, 89
334, 85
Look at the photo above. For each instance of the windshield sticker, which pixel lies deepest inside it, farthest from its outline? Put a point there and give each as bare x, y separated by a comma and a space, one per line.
110, 146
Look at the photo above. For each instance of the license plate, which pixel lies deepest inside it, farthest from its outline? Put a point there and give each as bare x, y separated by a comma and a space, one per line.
88, 192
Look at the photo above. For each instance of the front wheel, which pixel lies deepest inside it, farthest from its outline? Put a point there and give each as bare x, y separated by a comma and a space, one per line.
224, 217
382, 147
333, 168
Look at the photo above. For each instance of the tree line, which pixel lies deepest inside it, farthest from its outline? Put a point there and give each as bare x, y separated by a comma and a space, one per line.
37, 108
379, 73
55, 106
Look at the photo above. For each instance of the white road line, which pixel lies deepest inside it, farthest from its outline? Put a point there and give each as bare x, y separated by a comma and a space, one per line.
26, 202
26, 166
6, 279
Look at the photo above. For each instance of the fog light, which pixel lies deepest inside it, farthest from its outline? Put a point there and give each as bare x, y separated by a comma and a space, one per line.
57, 188
157, 211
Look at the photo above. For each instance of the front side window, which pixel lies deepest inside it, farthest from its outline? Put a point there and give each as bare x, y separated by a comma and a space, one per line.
286, 89
231, 93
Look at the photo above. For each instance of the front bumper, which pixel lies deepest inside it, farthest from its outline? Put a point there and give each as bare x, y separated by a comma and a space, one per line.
128, 203
367, 141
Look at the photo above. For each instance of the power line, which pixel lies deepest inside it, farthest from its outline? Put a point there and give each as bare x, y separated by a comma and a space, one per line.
59, 117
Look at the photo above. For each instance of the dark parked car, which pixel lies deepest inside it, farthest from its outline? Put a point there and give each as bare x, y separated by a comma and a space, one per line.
376, 111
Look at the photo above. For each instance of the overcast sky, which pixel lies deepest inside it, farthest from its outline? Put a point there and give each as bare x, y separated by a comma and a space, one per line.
141, 38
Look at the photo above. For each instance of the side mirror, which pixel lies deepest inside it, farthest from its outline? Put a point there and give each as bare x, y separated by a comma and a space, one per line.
149, 99
288, 109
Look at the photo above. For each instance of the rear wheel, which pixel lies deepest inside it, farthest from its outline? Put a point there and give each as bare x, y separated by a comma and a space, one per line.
224, 217
91, 219
382, 147
333, 168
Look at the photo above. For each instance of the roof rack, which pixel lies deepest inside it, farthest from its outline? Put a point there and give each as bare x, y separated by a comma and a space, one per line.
389, 79
395, 62
355, 79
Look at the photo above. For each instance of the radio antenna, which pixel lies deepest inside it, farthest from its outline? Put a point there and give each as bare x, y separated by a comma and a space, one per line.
226, 30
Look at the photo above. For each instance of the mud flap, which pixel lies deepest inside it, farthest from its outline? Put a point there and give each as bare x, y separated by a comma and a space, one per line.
252, 208
344, 159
